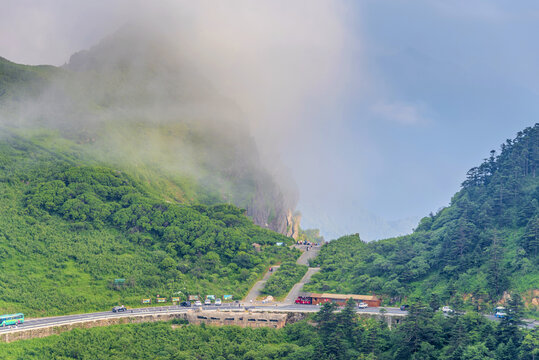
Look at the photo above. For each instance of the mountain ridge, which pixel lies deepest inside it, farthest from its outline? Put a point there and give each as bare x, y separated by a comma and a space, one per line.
148, 107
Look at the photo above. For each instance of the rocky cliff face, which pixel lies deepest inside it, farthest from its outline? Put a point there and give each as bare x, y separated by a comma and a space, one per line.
292, 224
271, 208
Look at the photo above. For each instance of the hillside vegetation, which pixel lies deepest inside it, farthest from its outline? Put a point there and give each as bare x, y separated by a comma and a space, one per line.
484, 243
70, 226
286, 276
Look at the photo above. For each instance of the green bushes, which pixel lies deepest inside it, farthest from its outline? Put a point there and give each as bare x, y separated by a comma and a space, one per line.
67, 229
280, 283
159, 341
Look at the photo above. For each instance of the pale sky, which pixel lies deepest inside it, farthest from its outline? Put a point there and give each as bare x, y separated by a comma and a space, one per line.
392, 101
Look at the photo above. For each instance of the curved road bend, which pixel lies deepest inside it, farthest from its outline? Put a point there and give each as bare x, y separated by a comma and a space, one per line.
259, 285
304, 258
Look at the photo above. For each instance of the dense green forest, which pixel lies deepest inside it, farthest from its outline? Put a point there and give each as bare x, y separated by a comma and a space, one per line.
484, 243
70, 226
331, 335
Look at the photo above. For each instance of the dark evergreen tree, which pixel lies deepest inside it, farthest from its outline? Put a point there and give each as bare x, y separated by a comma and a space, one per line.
508, 328
418, 327
530, 239
497, 275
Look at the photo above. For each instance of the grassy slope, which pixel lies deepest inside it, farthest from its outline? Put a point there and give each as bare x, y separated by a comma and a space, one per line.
16, 79
286, 276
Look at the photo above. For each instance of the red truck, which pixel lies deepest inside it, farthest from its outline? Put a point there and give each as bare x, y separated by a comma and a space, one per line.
304, 300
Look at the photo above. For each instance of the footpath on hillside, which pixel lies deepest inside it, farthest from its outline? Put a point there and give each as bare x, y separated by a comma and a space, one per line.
308, 254
254, 293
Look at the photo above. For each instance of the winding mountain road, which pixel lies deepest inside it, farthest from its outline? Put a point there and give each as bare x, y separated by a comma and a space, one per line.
287, 305
296, 289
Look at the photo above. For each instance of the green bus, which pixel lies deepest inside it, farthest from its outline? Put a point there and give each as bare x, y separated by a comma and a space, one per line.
13, 319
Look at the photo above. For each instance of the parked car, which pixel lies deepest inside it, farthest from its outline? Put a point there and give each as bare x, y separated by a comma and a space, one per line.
185, 303
405, 307
119, 308
207, 302
218, 302
499, 312
447, 310
198, 303
362, 305
501, 315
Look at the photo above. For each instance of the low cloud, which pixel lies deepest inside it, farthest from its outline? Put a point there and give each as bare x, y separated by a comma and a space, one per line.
400, 112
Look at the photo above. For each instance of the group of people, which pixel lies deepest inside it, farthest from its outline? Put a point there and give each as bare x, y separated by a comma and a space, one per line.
305, 242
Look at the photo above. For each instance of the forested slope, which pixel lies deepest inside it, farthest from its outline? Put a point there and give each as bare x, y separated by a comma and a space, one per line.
484, 243
70, 225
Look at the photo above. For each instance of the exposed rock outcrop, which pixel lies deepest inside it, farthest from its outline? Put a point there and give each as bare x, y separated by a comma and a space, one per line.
292, 224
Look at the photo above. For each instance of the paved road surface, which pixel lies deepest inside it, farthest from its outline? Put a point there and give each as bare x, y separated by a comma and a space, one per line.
307, 255
303, 260
296, 289
67, 319
255, 290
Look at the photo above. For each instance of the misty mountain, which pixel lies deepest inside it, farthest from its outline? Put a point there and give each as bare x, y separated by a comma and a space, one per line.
136, 102
369, 226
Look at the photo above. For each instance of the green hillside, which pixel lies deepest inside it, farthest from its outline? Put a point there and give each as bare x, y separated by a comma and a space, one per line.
484, 243
70, 226
20, 81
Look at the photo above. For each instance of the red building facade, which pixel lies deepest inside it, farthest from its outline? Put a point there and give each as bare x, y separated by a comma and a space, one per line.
341, 299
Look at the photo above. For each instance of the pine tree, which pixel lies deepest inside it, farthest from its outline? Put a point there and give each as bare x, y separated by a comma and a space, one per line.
497, 277
530, 346
508, 328
530, 239
418, 327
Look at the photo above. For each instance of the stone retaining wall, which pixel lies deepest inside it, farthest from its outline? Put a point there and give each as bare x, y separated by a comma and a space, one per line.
218, 318
21, 334
243, 318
